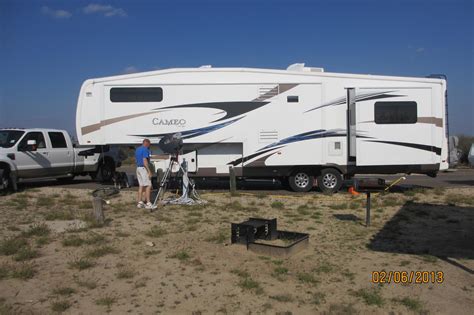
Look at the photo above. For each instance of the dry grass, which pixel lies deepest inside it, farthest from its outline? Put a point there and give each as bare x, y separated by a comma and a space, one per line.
156, 232
192, 261
82, 263
454, 198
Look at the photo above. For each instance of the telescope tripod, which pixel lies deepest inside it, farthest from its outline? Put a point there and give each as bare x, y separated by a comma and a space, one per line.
187, 184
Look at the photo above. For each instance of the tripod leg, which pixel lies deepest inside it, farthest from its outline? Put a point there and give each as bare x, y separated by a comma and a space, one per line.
163, 183
188, 185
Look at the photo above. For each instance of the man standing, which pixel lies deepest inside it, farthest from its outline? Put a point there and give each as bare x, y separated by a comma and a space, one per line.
142, 158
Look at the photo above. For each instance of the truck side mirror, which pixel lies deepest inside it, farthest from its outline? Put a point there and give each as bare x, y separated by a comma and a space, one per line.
31, 145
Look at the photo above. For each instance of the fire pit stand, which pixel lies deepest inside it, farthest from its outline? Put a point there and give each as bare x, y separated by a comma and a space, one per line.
255, 231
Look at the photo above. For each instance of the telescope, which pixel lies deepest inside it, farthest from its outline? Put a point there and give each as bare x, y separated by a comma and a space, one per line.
171, 143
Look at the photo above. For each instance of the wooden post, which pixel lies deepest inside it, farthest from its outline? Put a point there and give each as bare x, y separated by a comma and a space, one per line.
232, 181
98, 212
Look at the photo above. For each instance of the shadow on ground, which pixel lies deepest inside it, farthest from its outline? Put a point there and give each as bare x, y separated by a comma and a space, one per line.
51, 183
443, 231
346, 217
461, 182
221, 184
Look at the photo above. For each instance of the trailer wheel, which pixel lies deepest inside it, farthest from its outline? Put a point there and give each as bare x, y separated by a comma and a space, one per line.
330, 180
106, 171
301, 181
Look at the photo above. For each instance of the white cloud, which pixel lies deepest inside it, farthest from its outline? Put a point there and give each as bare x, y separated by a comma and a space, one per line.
420, 50
106, 10
57, 14
130, 69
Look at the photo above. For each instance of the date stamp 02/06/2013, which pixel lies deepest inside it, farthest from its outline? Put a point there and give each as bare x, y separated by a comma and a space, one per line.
407, 277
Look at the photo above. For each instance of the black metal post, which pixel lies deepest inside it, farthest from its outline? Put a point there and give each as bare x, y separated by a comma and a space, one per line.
232, 181
367, 214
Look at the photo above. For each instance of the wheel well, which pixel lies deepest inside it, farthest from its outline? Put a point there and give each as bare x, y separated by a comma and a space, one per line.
331, 167
308, 169
315, 170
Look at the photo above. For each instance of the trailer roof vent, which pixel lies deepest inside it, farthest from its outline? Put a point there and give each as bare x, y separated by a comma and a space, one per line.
206, 66
302, 68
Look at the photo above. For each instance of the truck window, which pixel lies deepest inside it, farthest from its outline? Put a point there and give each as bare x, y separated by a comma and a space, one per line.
57, 140
395, 112
139, 94
37, 136
8, 138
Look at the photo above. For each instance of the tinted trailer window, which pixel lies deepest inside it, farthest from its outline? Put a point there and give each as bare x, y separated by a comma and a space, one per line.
154, 94
395, 112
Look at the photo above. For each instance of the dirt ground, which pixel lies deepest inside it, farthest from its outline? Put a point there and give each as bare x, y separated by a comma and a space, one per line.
53, 258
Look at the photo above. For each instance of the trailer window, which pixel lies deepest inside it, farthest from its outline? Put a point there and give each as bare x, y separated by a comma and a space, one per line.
142, 94
395, 112
57, 140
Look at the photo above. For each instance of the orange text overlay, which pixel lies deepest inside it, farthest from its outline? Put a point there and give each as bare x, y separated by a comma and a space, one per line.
407, 277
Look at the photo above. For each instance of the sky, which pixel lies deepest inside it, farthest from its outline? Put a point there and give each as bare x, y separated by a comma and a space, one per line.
48, 48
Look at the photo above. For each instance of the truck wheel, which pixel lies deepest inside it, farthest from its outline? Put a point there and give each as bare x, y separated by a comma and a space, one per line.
106, 171
9, 180
4, 178
330, 180
301, 181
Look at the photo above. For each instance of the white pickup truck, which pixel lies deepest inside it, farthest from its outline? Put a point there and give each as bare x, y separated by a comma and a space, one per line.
50, 153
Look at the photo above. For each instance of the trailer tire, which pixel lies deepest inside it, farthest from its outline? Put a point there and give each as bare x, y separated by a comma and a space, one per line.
301, 181
106, 171
330, 180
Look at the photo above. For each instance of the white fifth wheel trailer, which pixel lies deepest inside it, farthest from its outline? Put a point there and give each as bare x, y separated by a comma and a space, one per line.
296, 124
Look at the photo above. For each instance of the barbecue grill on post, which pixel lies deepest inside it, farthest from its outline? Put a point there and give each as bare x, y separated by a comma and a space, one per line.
368, 186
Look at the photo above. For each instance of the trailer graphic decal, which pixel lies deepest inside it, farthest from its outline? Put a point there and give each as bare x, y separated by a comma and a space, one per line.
359, 98
249, 157
315, 134
232, 109
194, 132
424, 147
94, 127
